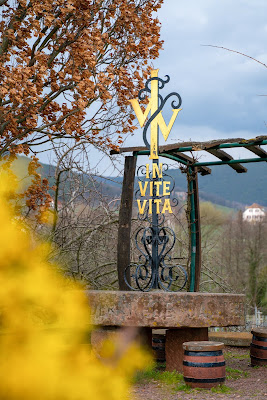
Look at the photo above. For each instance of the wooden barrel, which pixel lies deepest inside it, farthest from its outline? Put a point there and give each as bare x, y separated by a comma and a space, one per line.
203, 364
258, 347
158, 347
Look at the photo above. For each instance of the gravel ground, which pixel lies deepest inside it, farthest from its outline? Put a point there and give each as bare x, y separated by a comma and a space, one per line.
250, 384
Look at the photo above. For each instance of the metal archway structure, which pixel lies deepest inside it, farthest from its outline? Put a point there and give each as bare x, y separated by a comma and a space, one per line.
177, 152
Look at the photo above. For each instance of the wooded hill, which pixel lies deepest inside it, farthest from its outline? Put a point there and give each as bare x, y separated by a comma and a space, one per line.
226, 187
223, 186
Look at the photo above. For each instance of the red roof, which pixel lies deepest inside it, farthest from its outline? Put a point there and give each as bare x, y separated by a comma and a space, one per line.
255, 205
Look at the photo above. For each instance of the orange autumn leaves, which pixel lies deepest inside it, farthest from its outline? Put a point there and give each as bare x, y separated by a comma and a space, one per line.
60, 59
37, 198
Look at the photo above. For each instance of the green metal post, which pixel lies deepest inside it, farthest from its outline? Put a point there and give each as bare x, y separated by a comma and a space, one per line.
219, 146
240, 161
166, 155
192, 233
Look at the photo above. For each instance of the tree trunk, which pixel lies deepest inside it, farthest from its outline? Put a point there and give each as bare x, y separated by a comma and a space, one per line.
125, 218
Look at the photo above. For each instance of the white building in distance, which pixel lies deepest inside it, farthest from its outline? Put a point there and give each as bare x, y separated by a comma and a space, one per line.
254, 213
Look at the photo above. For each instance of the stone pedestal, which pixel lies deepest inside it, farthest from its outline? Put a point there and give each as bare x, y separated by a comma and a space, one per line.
100, 334
143, 336
168, 310
186, 316
174, 345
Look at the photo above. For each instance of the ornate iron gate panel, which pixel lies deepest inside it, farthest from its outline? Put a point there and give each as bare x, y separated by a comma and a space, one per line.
155, 269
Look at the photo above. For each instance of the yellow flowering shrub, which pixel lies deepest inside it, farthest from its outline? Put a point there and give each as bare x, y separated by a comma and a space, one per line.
44, 322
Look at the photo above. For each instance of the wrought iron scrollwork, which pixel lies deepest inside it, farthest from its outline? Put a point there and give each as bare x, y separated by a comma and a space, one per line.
141, 176
144, 92
155, 269
145, 275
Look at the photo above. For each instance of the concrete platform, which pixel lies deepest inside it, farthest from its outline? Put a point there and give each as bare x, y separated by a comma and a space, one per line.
159, 309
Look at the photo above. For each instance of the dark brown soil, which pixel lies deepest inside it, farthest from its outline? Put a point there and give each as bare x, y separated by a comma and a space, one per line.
249, 384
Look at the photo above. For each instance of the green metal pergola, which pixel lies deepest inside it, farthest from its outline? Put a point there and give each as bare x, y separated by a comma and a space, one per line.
177, 152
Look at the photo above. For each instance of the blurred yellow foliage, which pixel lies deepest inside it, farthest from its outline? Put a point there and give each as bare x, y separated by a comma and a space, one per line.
44, 322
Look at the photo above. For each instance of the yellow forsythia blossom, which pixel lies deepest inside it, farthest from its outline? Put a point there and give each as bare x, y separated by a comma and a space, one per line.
43, 325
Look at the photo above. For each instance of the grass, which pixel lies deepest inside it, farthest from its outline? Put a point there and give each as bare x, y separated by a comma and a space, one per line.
183, 387
166, 377
218, 389
172, 379
230, 356
232, 373
176, 382
221, 389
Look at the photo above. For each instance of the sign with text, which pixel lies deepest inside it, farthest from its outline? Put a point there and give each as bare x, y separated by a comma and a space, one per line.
156, 189
155, 106
154, 197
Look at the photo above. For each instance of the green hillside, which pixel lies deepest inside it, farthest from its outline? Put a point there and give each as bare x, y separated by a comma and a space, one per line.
226, 187
223, 186
20, 169
246, 188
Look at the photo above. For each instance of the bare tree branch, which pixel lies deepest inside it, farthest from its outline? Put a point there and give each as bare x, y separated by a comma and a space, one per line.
235, 51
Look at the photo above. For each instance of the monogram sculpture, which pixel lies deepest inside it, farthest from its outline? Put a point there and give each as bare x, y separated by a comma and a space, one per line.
155, 242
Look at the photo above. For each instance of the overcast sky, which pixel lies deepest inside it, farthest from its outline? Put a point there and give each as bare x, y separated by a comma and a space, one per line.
220, 89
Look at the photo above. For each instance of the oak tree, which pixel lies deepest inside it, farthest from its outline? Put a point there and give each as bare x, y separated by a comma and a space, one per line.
68, 68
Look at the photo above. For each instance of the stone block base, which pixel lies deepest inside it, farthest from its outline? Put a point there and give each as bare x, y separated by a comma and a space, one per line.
160, 309
238, 339
174, 345
143, 336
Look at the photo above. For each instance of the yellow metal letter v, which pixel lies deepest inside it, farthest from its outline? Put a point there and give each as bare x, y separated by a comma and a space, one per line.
158, 121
